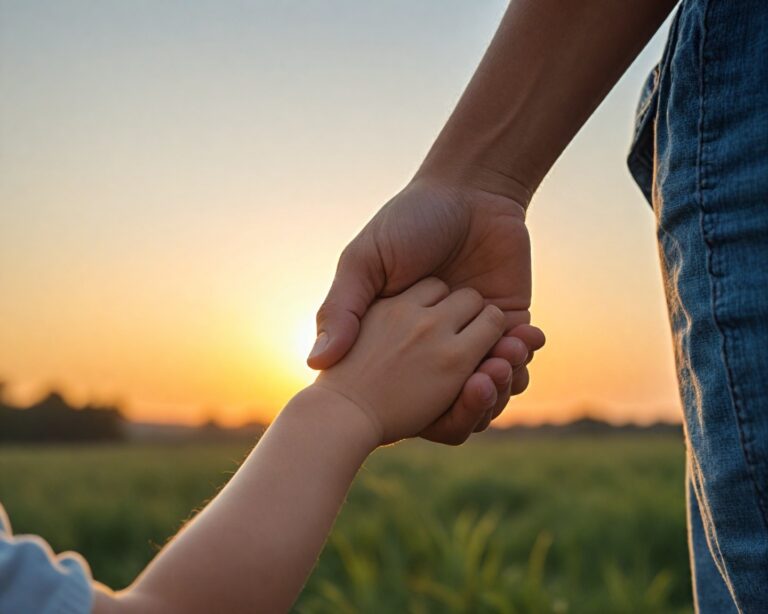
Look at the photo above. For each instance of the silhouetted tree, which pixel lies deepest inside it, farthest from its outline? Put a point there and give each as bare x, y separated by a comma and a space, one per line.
52, 419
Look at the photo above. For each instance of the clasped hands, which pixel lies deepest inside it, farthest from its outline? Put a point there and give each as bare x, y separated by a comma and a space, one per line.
455, 252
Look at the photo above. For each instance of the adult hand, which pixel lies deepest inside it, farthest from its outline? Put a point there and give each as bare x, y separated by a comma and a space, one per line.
466, 237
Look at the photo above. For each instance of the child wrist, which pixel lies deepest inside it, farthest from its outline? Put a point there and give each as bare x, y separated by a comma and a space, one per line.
348, 415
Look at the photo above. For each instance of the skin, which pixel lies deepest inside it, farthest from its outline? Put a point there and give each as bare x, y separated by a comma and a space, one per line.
424, 361
252, 548
462, 217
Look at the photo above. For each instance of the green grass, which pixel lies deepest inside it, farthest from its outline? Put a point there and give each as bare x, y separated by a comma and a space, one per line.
499, 525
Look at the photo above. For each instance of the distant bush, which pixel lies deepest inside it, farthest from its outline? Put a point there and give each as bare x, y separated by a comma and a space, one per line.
53, 420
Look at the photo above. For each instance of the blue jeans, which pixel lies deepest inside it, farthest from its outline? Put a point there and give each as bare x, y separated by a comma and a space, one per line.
700, 155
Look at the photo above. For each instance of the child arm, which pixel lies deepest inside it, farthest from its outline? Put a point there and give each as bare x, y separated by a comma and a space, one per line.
252, 548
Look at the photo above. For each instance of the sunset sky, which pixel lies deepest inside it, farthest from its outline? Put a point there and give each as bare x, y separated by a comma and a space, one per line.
177, 179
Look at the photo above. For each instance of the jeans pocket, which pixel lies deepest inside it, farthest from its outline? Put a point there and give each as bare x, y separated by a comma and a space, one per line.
640, 158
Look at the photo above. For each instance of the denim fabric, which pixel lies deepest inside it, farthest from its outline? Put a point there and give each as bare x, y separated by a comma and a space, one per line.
700, 155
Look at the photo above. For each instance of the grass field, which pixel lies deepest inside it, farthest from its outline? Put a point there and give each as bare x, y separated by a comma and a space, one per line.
575, 525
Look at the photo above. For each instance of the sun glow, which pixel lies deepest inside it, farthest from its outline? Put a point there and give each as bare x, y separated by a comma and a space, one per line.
168, 229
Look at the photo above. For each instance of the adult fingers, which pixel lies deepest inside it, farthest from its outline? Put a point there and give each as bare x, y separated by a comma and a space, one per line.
500, 372
520, 381
511, 349
485, 422
359, 278
454, 427
532, 336
516, 348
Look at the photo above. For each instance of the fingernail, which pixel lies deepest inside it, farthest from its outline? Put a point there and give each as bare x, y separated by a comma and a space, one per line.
508, 379
522, 348
320, 344
487, 392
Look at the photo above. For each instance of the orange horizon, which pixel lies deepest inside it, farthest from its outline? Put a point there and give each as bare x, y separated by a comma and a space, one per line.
511, 417
166, 235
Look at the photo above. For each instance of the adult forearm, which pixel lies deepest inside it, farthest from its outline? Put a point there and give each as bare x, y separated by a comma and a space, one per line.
549, 65
253, 547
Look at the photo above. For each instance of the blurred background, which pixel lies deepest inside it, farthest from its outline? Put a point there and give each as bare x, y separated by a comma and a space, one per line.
177, 179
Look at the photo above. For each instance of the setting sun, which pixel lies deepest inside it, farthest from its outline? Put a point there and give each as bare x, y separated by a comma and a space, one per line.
167, 235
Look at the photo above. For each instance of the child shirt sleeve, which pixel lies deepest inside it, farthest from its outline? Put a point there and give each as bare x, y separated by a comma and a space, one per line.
34, 580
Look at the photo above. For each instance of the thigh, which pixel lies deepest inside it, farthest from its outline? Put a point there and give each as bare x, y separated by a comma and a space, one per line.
710, 592
710, 194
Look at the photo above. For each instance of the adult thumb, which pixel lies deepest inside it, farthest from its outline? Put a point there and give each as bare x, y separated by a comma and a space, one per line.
355, 285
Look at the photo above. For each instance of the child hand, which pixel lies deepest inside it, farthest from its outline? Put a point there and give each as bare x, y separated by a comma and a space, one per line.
413, 355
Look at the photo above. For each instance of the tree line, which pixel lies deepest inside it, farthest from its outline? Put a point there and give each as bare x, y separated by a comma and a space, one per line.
53, 419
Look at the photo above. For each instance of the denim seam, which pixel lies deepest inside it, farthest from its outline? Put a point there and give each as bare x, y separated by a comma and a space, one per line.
700, 198
708, 220
703, 223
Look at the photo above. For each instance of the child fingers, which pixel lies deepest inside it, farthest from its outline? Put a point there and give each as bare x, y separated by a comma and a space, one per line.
460, 307
482, 332
427, 292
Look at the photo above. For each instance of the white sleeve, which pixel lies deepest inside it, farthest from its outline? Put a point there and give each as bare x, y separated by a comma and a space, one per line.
34, 580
